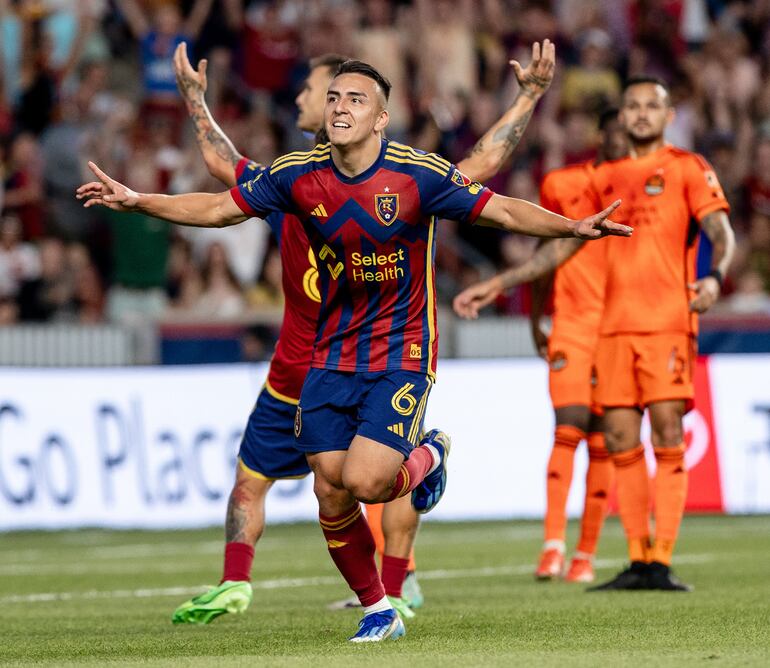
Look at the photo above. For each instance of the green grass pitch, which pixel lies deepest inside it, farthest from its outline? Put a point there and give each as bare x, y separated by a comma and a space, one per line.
104, 598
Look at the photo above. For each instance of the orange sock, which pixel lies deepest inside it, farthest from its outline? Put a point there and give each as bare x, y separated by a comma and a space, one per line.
374, 517
559, 478
598, 481
670, 496
634, 500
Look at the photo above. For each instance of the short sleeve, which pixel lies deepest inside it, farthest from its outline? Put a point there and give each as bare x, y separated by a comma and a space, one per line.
264, 193
702, 188
452, 195
246, 170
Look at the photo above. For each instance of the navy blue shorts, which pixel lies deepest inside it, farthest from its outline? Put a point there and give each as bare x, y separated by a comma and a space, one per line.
269, 449
386, 406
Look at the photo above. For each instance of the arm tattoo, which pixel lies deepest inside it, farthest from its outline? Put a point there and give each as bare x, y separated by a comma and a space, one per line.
507, 135
208, 133
717, 228
545, 260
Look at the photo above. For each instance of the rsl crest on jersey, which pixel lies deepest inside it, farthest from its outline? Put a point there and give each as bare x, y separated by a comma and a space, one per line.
386, 207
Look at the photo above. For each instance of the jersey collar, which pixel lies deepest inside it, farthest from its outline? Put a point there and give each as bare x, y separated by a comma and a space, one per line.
367, 173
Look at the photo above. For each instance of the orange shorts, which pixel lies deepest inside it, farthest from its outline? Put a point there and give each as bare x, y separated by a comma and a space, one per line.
640, 369
571, 374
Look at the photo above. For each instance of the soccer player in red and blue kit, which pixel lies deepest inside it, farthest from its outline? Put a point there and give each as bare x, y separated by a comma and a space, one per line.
375, 352
268, 449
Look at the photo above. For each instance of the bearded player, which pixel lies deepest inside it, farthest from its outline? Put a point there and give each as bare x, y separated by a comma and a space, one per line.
267, 452
647, 341
647, 337
578, 302
374, 357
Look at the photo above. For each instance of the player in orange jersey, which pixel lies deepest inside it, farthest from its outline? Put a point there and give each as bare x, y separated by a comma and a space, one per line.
647, 336
578, 288
647, 341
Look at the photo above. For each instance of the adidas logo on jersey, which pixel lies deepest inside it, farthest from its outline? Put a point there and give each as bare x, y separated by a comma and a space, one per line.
320, 212
397, 428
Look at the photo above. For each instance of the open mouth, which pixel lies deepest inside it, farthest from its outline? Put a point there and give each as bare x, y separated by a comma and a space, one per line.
340, 125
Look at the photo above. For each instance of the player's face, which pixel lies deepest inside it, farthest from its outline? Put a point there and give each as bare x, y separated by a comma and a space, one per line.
312, 98
614, 140
354, 110
646, 112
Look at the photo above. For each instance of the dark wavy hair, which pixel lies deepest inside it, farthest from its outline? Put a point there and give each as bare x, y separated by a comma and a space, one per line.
364, 69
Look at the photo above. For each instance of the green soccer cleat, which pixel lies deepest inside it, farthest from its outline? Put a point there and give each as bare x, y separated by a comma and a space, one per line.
402, 607
411, 592
230, 596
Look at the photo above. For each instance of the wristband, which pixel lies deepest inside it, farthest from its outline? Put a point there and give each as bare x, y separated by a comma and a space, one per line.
715, 273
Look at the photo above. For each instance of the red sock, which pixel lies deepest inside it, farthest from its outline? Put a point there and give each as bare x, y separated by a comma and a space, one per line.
238, 558
558, 479
393, 574
599, 477
412, 472
351, 547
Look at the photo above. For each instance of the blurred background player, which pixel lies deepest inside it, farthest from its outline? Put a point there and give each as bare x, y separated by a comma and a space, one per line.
647, 344
347, 420
268, 452
578, 301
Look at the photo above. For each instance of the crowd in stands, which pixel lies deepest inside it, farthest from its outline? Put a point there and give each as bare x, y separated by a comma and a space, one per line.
93, 79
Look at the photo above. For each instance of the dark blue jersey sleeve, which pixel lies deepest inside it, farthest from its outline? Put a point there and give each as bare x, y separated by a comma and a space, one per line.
452, 195
265, 193
246, 170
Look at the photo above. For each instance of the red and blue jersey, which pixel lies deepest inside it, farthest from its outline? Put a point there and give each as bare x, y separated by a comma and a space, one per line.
299, 279
374, 238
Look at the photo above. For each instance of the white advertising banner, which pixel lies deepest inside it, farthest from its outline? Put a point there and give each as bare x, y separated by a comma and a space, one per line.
156, 447
740, 391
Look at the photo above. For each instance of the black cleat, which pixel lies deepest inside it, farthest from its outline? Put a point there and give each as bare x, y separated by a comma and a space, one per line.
659, 577
634, 577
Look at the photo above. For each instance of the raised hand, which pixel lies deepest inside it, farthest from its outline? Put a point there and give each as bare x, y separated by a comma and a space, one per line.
597, 226
537, 76
191, 83
471, 300
107, 192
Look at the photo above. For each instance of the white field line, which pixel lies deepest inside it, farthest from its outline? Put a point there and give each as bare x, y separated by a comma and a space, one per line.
151, 550
290, 583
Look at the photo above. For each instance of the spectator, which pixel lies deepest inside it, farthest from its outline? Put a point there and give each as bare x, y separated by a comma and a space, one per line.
221, 298
19, 261
591, 84
51, 295
24, 195
158, 37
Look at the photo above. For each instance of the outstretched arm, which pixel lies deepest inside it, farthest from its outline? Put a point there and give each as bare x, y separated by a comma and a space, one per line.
218, 151
193, 209
492, 151
716, 226
543, 262
518, 215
